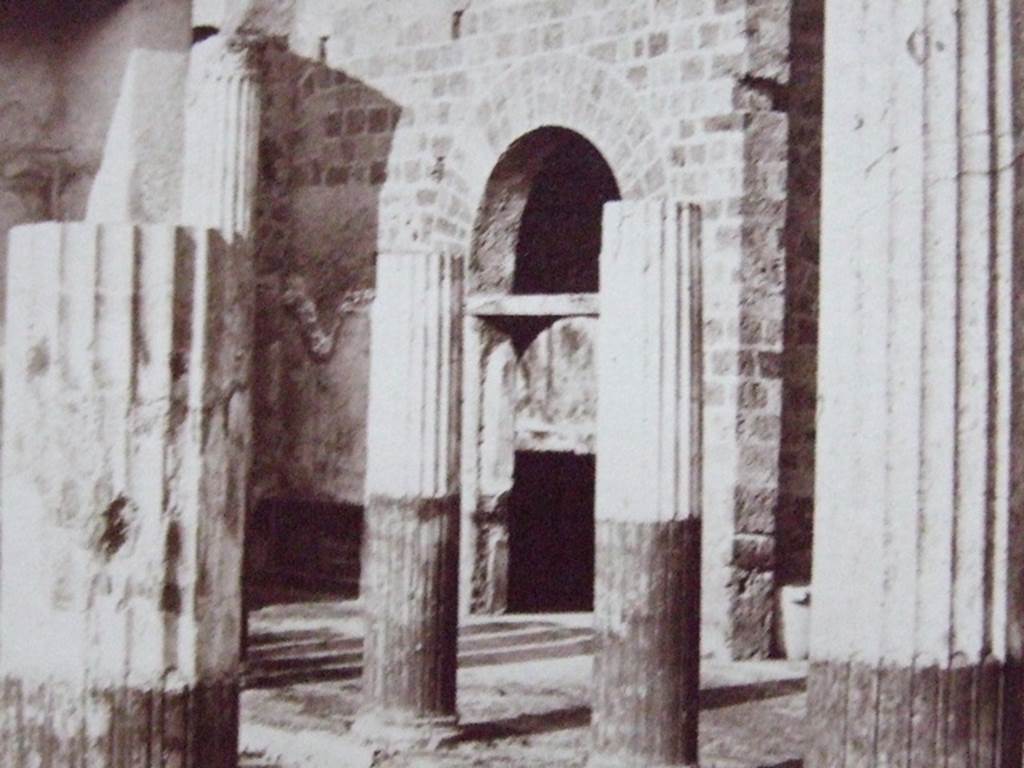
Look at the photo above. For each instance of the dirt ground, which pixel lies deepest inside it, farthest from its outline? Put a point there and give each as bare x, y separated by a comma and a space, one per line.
523, 695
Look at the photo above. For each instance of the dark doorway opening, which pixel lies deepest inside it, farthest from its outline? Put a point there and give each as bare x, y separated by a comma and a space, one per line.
551, 533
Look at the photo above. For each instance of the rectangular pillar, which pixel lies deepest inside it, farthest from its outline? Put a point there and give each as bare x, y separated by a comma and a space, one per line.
411, 539
126, 454
916, 620
648, 495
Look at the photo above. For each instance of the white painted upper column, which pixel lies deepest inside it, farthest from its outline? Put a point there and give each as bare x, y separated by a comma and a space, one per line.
222, 117
649, 363
412, 441
916, 612
918, 281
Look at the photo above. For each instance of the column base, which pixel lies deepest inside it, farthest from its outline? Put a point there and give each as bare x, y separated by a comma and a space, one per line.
395, 732
967, 714
615, 761
410, 594
647, 637
57, 723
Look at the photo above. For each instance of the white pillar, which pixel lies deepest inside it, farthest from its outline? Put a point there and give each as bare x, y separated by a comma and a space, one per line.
126, 428
916, 623
648, 494
410, 557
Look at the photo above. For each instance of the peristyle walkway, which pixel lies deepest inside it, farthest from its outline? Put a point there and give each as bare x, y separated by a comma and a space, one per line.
524, 687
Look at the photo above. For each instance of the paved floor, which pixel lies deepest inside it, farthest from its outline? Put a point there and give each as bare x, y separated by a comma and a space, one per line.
523, 695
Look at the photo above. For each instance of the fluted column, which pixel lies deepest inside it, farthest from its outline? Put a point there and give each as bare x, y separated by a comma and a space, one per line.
126, 428
648, 494
221, 136
916, 623
410, 561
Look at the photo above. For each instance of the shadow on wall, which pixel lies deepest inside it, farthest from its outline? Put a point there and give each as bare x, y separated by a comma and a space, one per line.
777, 364
795, 516
325, 144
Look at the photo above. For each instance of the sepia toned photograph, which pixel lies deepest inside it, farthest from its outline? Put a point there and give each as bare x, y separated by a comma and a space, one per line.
511, 384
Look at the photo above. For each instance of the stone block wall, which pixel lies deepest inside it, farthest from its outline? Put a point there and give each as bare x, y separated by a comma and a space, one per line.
325, 144
382, 124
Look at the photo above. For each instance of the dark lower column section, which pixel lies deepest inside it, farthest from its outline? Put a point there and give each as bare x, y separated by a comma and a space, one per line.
966, 716
647, 659
53, 724
410, 588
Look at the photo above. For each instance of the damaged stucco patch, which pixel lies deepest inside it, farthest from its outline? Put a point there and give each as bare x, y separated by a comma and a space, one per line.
319, 333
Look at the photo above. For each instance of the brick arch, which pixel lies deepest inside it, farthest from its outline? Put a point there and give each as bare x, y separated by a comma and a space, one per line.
571, 92
556, 90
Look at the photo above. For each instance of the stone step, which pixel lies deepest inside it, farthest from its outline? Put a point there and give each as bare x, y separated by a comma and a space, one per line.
276, 672
261, 648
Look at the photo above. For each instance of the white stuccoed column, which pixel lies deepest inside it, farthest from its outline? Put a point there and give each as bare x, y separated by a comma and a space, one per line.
222, 120
648, 494
916, 624
411, 546
125, 467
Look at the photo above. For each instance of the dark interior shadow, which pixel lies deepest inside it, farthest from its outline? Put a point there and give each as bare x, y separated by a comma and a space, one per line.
551, 533
302, 552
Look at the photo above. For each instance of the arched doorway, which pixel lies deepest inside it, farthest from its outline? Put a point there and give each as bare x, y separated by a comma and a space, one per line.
530, 389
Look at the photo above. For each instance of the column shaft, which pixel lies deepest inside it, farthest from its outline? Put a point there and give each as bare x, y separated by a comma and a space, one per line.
126, 415
916, 610
488, 461
410, 560
647, 591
